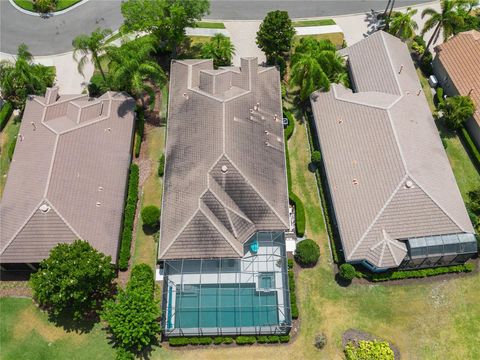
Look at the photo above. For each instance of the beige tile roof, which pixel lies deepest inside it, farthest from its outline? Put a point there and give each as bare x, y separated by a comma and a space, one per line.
460, 56
71, 160
225, 172
388, 173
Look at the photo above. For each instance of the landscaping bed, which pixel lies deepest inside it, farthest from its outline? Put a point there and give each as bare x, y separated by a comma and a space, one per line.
354, 336
210, 25
320, 22
61, 4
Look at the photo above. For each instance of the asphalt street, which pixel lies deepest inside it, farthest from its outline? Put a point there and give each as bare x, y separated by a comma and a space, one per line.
48, 36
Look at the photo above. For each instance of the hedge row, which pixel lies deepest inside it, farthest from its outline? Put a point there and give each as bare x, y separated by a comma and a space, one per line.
299, 214
240, 340
293, 296
161, 165
129, 217
5, 114
11, 149
471, 146
140, 125
421, 273
291, 124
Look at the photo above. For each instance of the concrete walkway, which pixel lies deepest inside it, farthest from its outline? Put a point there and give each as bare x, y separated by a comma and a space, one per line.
243, 35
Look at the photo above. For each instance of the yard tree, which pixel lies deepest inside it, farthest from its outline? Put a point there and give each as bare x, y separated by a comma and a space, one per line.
275, 36
402, 25
133, 316
132, 69
456, 110
307, 252
74, 280
165, 19
150, 215
93, 45
307, 74
220, 49
22, 77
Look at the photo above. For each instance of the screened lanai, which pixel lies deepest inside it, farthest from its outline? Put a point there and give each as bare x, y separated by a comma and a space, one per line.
229, 296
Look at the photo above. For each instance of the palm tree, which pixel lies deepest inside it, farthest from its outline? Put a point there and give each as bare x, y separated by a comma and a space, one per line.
468, 5
220, 49
22, 78
308, 75
94, 44
402, 25
131, 67
448, 19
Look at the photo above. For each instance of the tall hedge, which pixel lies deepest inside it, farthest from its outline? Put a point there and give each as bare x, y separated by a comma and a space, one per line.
129, 217
140, 125
291, 124
293, 295
5, 114
161, 165
299, 214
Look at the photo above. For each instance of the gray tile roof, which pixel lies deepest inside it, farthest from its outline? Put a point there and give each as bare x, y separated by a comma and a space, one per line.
388, 173
71, 160
225, 174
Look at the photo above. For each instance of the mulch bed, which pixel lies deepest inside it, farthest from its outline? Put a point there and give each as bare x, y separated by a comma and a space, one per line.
355, 335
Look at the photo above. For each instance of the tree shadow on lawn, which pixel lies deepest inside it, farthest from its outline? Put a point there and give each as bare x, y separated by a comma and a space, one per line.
150, 230
145, 353
66, 321
341, 281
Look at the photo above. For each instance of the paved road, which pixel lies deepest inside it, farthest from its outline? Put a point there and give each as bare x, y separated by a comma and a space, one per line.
54, 35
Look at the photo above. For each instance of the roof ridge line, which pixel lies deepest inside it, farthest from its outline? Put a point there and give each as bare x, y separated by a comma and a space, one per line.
382, 35
64, 220
242, 215
50, 170
207, 215
389, 244
21, 227
395, 135
180, 231
337, 97
85, 124
437, 203
378, 215
258, 193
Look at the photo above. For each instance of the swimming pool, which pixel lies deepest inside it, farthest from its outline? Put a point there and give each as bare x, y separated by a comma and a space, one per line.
223, 306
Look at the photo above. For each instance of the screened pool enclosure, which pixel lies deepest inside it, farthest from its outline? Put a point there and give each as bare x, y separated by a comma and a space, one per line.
229, 296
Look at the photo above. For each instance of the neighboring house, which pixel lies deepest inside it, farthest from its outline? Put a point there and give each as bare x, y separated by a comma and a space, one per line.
457, 67
68, 176
395, 198
225, 202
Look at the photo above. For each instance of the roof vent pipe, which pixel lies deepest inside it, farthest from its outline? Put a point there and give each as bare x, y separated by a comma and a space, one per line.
224, 169
34, 126
401, 68
409, 184
419, 92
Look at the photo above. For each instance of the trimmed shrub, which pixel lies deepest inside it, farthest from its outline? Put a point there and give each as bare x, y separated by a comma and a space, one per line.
291, 124
140, 125
320, 341
368, 350
245, 340
227, 340
142, 276
161, 165
347, 271
178, 341
299, 214
273, 339
129, 217
470, 145
409, 274
284, 338
316, 157
11, 149
5, 114
293, 296
262, 339
218, 340
205, 341
307, 252
151, 216
439, 95
290, 263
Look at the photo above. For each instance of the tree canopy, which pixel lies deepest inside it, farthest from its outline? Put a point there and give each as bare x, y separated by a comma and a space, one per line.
456, 110
402, 25
275, 36
73, 280
165, 19
220, 49
22, 77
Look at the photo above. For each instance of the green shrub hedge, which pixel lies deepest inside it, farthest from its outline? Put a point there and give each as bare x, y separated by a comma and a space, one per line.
183, 341
347, 271
5, 114
245, 340
151, 215
142, 276
471, 146
421, 273
240, 340
11, 149
222, 340
299, 214
161, 165
140, 125
129, 217
284, 338
290, 263
291, 124
307, 252
293, 296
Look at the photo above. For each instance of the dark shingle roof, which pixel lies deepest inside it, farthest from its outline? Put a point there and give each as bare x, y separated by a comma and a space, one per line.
225, 172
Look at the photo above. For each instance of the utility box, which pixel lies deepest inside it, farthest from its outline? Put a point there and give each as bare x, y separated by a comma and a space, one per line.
432, 80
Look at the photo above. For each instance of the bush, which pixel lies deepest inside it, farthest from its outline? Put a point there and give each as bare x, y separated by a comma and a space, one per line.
369, 350
299, 214
11, 149
291, 124
227, 340
73, 280
320, 341
471, 146
347, 271
245, 340
290, 263
151, 216
178, 341
218, 340
421, 273
316, 157
129, 217
123, 354
140, 125
273, 339
293, 296
307, 252
44, 6
133, 315
205, 341
5, 114
284, 338
262, 339
161, 165
456, 110
439, 95
97, 86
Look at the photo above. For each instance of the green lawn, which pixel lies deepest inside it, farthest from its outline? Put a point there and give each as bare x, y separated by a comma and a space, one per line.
335, 38
321, 22
210, 25
8, 136
61, 5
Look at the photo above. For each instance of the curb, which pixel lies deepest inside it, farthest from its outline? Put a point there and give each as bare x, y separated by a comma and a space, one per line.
47, 15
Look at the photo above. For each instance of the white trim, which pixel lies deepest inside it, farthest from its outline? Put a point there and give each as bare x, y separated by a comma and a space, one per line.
54, 13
